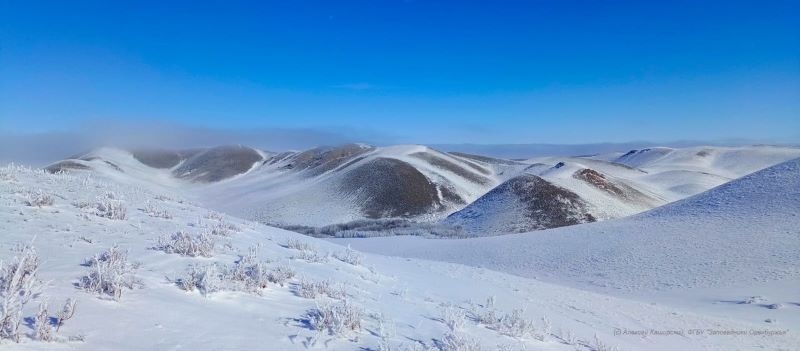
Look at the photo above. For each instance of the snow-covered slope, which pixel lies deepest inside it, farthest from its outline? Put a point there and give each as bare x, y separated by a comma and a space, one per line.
742, 231
401, 299
400, 181
333, 185
315, 187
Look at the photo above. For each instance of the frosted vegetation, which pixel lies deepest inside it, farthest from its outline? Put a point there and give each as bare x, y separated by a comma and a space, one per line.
370, 228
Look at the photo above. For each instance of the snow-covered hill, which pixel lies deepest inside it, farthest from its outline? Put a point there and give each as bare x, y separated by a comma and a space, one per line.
523, 203
334, 185
741, 235
241, 297
315, 187
605, 187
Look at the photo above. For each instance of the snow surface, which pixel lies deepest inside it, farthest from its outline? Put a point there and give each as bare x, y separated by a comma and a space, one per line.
402, 293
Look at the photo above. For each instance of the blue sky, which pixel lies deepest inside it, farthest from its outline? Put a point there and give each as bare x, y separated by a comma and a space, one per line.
409, 71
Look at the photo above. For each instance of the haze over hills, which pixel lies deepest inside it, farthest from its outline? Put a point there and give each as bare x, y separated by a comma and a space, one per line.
476, 194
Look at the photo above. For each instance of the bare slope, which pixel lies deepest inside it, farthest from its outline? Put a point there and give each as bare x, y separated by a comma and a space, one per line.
521, 204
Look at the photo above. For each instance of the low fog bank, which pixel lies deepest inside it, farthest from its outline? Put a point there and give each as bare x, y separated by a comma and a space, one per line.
40, 149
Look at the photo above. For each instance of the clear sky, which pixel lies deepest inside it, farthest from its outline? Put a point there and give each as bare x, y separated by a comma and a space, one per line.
409, 71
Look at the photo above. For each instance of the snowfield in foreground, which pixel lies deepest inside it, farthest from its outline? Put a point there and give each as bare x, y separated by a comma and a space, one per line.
150, 271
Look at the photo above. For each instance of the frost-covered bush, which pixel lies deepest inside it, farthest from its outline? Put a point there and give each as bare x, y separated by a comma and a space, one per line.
514, 324
567, 337
18, 285
110, 273
249, 275
111, 209
38, 199
545, 330
246, 275
207, 279
350, 256
454, 341
311, 289
222, 228
368, 228
44, 331
299, 245
312, 256
453, 317
754, 299
337, 319
215, 216
154, 211
280, 275
7, 173
486, 314
307, 252
185, 244
66, 313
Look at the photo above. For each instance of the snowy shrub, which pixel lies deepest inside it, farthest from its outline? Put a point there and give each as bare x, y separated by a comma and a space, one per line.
44, 331
386, 330
208, 279
185, 244
350, 256
307, 252
512, 324
110, 273
154, 211
299, 245
545, 330
246, 275
368, 228
82, 204
567, 337
7, 174
515, 325
453, 341
280, 274
163, 198
222, 228
775, 306
486, 314
599, 345
754, 300
453, 317
66, 313
111, 209
310, 289
215, 216
337, 319
312, 256
18, 285
307, 289
38, 199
